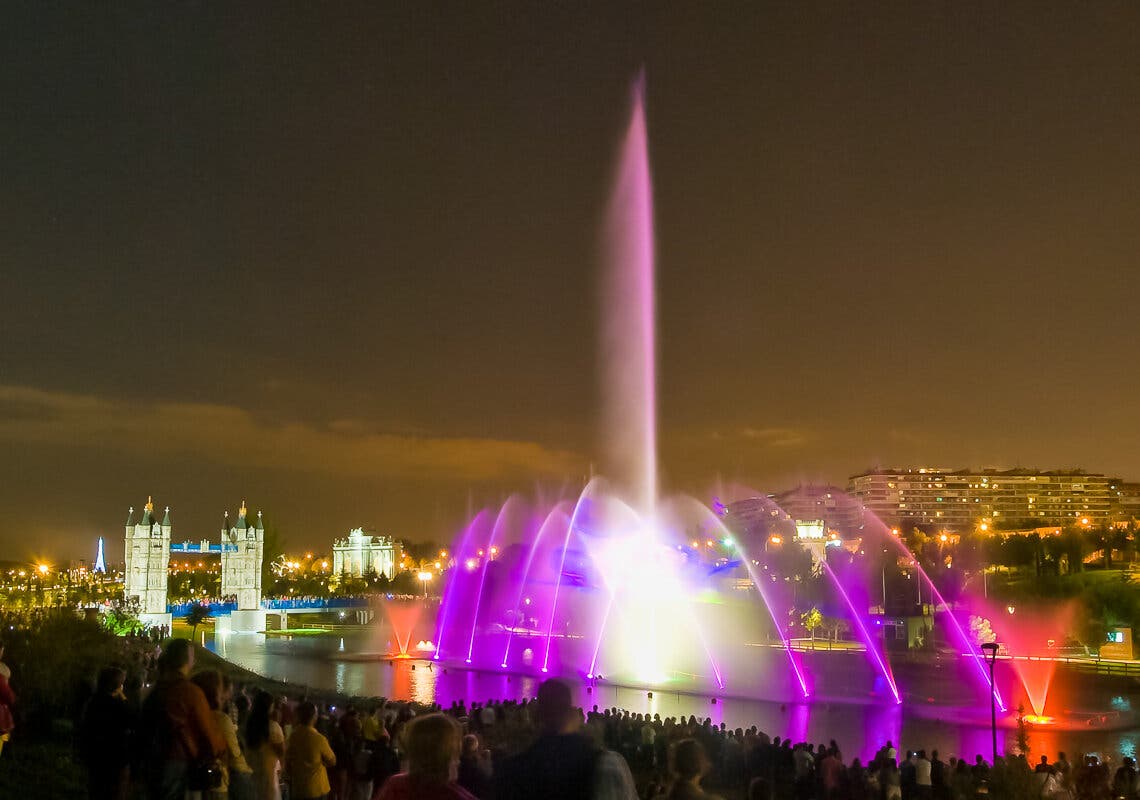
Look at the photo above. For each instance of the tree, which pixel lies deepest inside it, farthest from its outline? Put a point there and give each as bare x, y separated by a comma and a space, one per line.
1022, 731
405, 583
980, 630
196, 616
422, 551
1115, 540
123, 619
834, 626
272, 548
811, 620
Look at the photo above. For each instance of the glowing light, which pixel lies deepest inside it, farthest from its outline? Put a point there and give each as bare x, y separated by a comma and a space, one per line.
1039, 719
425, 576
984, 527
1010, 609
809, 529
43, 568
777, 540
471, 564
944, 538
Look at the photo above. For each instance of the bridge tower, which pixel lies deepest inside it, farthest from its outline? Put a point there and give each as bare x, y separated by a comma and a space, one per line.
147, 548
243, 548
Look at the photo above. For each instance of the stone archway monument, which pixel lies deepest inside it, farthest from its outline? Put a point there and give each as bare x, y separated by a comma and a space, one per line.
148, 545
243, 550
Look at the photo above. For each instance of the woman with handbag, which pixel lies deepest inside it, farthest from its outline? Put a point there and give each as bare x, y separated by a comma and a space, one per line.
265, 743
236, 778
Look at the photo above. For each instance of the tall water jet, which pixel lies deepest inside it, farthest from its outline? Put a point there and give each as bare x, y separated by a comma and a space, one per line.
629, 390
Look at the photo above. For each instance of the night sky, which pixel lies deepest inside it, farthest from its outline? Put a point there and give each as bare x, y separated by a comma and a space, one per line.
342, 261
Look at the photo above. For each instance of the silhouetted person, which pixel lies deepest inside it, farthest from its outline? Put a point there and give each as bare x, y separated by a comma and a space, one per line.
563, 763
104, 738
177, 727
431, 744
689, 765
474, 768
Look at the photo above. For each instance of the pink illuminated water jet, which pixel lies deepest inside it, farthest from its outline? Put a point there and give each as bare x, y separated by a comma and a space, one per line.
1030, 638
608, 585
872, 649
402, 616
628, 349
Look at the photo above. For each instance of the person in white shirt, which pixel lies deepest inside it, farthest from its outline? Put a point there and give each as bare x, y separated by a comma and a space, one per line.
922, 776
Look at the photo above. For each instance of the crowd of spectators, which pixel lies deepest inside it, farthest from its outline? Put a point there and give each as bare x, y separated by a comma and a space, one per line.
158, 729
197, 732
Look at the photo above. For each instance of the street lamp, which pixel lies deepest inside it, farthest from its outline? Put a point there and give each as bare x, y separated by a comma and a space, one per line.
991, 649
425, 577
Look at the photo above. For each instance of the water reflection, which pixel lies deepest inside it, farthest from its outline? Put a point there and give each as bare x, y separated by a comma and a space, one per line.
860, 729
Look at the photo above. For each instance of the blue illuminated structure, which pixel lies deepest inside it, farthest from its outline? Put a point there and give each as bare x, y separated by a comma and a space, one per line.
99, 565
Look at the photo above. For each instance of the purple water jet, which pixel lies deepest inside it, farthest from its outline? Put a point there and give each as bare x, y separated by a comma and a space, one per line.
535, 542
628, 350
618, 592
490, 554
956, 627
558, 579
451, 591
872, 651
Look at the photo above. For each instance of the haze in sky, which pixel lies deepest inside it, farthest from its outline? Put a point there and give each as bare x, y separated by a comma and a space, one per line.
342, 261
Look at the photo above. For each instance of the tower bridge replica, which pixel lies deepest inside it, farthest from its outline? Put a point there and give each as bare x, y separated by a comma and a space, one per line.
148, 545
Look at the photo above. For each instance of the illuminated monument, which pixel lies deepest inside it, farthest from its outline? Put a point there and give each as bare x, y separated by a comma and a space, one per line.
360, 553
147, 552
243, 548
148, 546
100, 564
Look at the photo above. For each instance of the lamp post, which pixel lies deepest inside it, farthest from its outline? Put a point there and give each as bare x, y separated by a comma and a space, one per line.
991, 649
424, 578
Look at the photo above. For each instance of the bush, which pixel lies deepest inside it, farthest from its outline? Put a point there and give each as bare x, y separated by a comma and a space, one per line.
54, 659
40, 771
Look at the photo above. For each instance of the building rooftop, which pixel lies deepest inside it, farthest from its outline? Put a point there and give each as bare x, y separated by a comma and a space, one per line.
989, 471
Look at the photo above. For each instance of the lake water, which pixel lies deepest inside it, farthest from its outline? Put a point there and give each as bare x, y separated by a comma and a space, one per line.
352, 664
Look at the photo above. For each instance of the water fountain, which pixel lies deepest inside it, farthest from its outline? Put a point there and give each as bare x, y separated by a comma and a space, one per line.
611, 587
